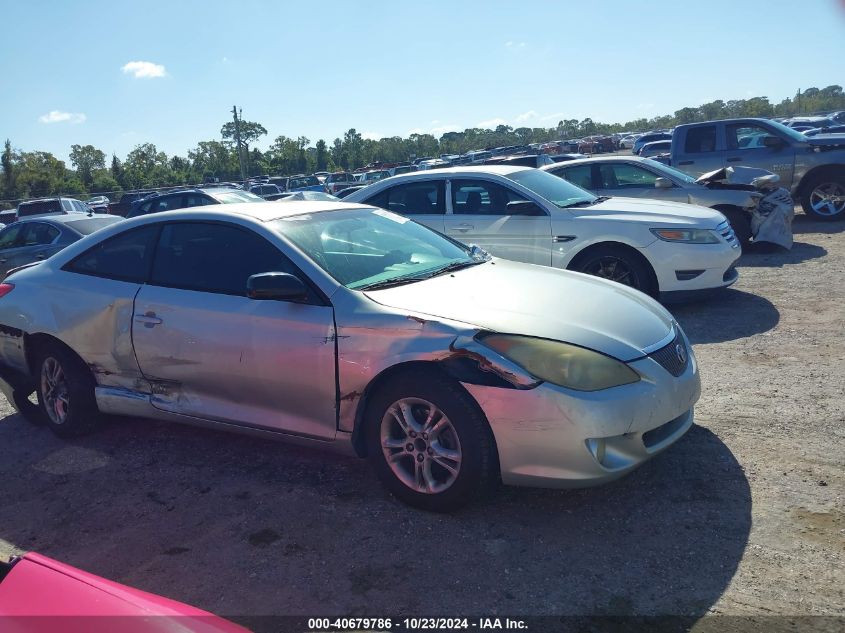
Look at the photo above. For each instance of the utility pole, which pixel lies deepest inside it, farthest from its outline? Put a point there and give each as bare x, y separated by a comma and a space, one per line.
799, 101
238, 141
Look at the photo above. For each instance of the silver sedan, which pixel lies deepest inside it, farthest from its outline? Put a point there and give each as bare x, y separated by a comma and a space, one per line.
351, 328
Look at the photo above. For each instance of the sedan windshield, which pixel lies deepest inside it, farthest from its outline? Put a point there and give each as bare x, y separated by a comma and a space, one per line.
230, 196
670, 171
556, 190
365, 249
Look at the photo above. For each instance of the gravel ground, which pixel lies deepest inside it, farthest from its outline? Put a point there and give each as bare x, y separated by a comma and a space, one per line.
743, 516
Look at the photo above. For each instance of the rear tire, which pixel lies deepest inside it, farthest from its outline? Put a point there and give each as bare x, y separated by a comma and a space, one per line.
616, 264
823, 197
429, 442
65, 389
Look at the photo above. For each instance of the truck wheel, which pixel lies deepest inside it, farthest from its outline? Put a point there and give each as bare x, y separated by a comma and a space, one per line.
740, 223
824, 197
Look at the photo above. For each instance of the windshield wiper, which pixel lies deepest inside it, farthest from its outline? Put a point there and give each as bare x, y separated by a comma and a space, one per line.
421, 276
586, 203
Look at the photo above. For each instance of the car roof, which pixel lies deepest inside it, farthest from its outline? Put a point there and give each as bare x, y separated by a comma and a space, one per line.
598, 159
72, 216
501, 170
260, 211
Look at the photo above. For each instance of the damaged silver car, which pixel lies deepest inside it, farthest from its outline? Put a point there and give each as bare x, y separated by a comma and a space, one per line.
351, 328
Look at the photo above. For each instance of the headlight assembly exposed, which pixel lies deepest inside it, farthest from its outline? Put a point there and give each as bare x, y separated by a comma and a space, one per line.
690, 236
562, 364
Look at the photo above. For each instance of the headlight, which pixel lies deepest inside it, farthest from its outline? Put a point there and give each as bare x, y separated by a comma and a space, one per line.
691, 236
562, 364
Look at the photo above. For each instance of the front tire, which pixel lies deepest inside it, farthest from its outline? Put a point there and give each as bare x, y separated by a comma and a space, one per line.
66, 392
616, 264
429, 442
824, 197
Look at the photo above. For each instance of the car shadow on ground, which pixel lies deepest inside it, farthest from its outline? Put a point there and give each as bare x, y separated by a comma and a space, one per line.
246, 527
728, 315
801, 225
772, 256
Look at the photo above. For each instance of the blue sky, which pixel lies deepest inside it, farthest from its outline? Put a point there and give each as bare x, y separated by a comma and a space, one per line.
387, 67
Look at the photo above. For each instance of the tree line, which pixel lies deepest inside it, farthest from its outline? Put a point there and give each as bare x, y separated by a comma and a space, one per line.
32, 174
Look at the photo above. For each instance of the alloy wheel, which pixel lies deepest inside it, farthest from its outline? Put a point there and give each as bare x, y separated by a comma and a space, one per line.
420, 445
54, 389
614, 269
828, 199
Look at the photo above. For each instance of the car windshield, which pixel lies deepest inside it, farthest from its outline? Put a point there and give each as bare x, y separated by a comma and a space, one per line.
368, 248
670, 171
556, 190
307, 181
795, 135
89, 225
232, 197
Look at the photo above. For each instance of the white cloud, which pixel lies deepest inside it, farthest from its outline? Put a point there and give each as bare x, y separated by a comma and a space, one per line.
442, 129
554, 116
373, 136
526, 116
491, 123
144, 70
512, 44
57, 116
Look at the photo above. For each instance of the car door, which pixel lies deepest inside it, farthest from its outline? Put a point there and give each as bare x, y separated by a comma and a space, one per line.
701, 152
633, 181
211, 352
746, 147
479, 215
424, 201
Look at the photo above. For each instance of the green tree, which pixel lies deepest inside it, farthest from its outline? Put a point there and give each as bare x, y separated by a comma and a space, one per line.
39, 174
8, 165
85, 159
145, 166
322, 156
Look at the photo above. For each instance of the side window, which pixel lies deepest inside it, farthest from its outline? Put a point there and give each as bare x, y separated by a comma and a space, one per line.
194, 200
701, 139
481, 197
168, 203
215, 258
379, 200
746, 136
418, 198
626, 177
67, 205
9, 237
125, 257
39, 234
580, 175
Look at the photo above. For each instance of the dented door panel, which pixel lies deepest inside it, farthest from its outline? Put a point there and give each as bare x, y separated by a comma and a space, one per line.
265, 364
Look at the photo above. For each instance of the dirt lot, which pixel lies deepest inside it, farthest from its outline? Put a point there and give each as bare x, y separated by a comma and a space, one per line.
745, 515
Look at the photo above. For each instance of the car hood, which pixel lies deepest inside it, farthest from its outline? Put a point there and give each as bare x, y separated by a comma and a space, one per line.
650, 211
827, 140
516, 298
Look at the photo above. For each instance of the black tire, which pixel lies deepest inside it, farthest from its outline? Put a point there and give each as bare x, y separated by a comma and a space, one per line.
31, 411
478, 470
816, 188
617, 264
80, 414
740, 222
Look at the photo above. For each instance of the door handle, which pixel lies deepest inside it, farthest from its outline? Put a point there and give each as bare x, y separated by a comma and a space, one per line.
734, 159
686, 162
40, 256
149, 319
464, 227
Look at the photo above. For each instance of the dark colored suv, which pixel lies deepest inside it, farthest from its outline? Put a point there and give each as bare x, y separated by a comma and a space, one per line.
185, 198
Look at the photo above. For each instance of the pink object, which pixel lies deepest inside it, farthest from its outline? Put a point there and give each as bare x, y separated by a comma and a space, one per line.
41, 595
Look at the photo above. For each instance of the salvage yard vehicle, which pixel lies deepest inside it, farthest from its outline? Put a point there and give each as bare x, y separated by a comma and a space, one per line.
352, 328
51, 206
34, 239
655, 148
811, 167
664, 249
186, 198
633, 177
41, 595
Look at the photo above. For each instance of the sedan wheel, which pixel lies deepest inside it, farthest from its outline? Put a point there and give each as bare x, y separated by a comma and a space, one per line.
54, 388
429, 441
614, 269
616, 264
66, 392
420, 445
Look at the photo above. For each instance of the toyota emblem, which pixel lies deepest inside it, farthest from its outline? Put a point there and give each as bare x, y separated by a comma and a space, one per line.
681, 352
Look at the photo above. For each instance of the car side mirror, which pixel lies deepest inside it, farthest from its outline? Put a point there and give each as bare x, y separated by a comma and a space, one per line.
773, 141
275, 286
662, 183
524, 207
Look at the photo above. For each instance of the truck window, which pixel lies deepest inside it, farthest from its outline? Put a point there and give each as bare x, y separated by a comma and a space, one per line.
744, 136
701, 139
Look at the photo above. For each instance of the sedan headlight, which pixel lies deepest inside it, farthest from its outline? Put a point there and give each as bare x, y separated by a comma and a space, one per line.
562, 364
690, 236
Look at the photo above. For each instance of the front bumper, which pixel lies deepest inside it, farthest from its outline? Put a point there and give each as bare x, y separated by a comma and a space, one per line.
715, 261
554, 437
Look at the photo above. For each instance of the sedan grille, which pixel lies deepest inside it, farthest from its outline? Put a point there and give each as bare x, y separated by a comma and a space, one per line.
673, 357
727, 232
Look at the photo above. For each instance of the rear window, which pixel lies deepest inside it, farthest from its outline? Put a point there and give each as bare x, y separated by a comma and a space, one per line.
39, 208
89, 225
701, 139
125, 257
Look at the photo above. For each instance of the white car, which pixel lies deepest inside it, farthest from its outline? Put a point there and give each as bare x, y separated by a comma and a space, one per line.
627, 142
655, 148
661, 248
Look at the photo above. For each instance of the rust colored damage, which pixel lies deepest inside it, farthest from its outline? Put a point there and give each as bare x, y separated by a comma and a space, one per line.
351, 396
